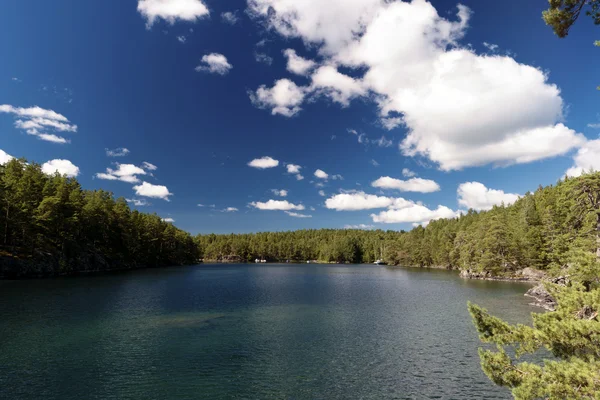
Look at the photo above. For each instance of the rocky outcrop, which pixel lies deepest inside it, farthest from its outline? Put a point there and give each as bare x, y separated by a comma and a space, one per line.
543, 298
524, 275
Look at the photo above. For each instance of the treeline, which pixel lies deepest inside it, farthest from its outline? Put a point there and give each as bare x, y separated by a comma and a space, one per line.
326, 245
50, 226
536, 231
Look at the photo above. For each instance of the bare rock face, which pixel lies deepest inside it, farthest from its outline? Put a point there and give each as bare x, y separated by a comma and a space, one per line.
531, 274
542, 298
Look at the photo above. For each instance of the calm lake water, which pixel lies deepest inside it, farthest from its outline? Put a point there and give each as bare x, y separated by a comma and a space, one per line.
249, 332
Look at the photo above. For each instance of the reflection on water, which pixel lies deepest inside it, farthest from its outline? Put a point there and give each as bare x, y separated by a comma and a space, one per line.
249, 332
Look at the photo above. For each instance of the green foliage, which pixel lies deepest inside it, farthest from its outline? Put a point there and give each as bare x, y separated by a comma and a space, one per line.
572, 332
50, 226
562, 14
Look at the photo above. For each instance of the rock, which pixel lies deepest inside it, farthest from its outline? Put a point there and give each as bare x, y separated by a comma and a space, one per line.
542, 297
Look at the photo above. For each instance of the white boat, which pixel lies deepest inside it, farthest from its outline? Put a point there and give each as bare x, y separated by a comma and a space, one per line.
379, 262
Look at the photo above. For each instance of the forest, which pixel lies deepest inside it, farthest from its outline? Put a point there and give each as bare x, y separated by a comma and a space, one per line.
538, 231
50, 226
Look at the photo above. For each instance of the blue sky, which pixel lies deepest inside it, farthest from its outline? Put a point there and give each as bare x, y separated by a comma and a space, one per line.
454, 107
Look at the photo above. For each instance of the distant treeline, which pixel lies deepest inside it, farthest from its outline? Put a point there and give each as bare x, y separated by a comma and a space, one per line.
536, 231
49, 225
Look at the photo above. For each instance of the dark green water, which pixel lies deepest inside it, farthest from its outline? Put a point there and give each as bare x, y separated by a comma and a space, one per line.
249, 332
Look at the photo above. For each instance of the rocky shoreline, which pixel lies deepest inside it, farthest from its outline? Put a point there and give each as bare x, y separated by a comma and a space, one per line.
542, 298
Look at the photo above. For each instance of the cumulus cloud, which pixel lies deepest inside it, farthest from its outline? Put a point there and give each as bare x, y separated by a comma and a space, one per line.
321, 174
322, 193
293, 168
296, 64
230, 209
283, 98
181, 39
154, 191
281, 193
358, 201
5, 157
37, 121
63, 167
410, 185
461, 108
171, 10
478, 197
340, 88
118, 152
263, 163
214, 63
297, 215
414, 213
587, 159
124, 172
407, 173
230, 17
399, 210
281, 205
170, 220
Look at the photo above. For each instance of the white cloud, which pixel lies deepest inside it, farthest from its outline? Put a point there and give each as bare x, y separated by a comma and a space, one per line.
263, 163
201, 205
138, 202
181, 39
360, 226
340, 88
155, 191
410, 185
170, 220
293, 168
337, 177
124, 172
299, 177
595, 126
282, 192
414, 213
281, 205
118, 152
5, 157
407, 173
214, 63
296, 64
586, 159
322, 193
230, 17
374, 163
36, 121
283, 98
63, 167
297, 215
171, 10
149, 166
461, 108
321, 174
478, 197
230, 209
358, 201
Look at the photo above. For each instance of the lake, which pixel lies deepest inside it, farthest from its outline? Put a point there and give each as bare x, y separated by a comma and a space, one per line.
250, 332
